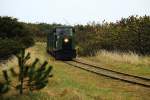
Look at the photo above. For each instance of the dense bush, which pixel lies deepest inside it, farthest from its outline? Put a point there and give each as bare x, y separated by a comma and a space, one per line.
128, 34
41, 30
8, 47
13, 36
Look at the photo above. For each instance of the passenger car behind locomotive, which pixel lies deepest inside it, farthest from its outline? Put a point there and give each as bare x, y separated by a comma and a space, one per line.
61, 43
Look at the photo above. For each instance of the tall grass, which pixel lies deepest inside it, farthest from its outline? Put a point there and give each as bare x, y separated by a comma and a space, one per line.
130, 58
70, 83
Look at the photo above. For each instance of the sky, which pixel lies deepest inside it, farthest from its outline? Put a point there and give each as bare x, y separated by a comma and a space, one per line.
73, 11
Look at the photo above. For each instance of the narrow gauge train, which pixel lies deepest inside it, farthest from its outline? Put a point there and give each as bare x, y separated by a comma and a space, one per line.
61, 43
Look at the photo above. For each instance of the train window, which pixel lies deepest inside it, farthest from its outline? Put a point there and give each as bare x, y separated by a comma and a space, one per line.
64, 31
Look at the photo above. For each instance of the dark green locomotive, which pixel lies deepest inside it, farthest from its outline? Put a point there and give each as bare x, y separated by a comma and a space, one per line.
61, 43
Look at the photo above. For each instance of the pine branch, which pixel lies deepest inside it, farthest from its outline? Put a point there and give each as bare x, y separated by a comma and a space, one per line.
30, 77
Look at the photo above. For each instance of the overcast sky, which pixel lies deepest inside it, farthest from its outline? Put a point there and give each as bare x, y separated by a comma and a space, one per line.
73, 11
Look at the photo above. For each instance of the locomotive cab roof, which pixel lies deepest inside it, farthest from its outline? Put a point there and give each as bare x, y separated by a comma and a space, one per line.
63, 27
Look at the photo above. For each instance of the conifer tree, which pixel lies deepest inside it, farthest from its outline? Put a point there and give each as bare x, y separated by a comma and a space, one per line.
30, 77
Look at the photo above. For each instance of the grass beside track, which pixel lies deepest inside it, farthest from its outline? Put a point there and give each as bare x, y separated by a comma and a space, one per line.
123, 62
70, 83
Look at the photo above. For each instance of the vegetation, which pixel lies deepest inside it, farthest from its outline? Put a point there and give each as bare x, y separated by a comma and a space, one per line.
41, 30
13, 36
31, 77
130, 63
128, 34
71, 83
8, 47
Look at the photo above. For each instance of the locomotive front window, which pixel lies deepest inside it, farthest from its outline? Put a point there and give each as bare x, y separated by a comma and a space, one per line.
64, 31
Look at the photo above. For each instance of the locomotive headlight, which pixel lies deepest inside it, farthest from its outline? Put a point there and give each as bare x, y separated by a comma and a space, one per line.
66, 40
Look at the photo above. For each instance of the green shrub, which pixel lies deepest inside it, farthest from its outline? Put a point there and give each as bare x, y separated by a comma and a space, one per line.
8, 47
127, 34
13, 36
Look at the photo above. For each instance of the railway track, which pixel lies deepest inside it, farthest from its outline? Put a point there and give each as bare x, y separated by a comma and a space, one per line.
143, 81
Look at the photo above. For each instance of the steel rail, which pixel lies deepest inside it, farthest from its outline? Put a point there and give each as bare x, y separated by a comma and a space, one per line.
110, 73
